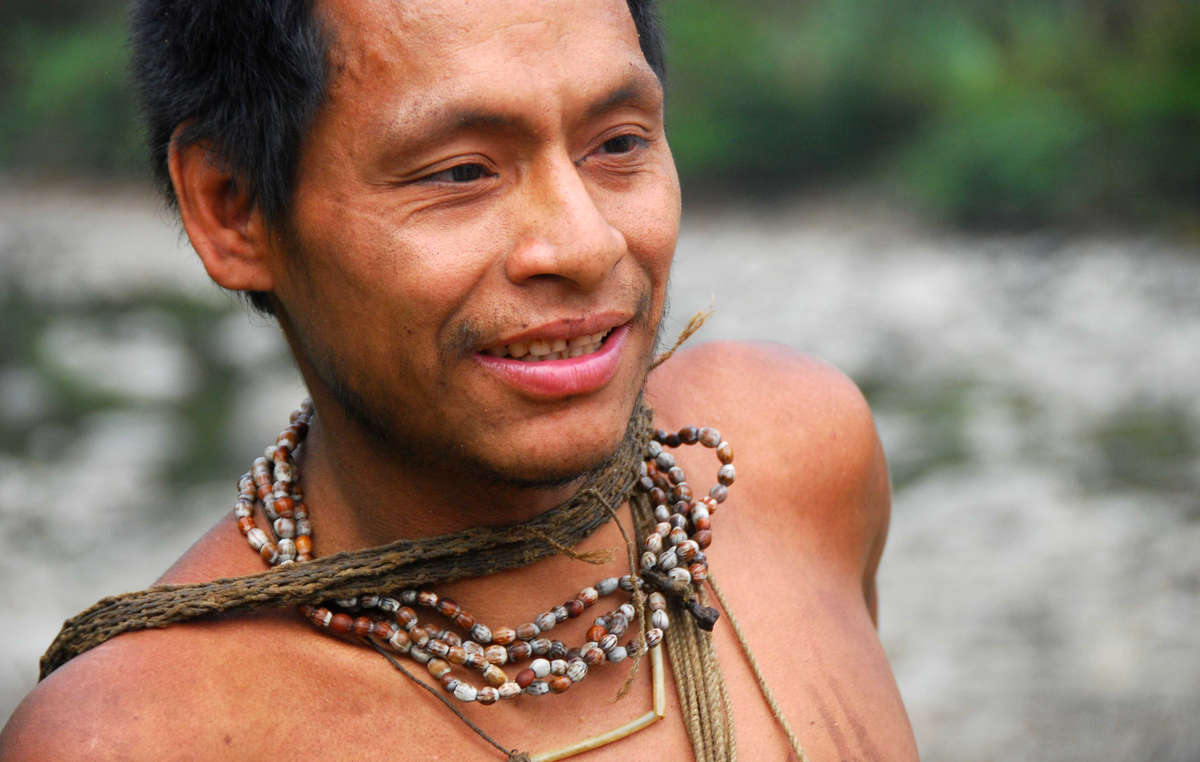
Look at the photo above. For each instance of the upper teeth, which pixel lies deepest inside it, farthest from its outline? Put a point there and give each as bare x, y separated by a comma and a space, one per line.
552, 349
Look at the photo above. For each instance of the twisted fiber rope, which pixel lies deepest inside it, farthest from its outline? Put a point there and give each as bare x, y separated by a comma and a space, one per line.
404, 563
708, 714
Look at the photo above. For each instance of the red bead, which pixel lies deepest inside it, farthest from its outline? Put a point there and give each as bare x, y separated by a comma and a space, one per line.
363, 625
574, 607
595, 632
285, 506
524, 678
245, 524
341, 623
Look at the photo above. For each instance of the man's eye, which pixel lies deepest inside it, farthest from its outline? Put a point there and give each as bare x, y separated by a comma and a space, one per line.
622, 144
460, 173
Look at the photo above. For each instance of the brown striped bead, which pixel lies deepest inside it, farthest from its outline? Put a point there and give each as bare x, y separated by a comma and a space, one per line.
420, 636
559, 683
449, 682
475, 661
592, 656
406, 617
719, 492
519, 651
245, 524
503, 635
487, 695
588, 595
496, 654
725, 453
698, 571
658, 496
702, 523
528, 631
448, 608
703, 538
509, 690
710, 437
672, 440
382, 630
438, 668
683, 492
456, 655
727, 474
574, 607
464, 620
427, 598
689, 435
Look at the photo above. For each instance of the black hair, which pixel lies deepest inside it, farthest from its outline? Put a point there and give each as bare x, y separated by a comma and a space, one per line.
246, 78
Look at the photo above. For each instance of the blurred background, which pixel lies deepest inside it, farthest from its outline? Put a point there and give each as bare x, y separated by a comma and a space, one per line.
986, 213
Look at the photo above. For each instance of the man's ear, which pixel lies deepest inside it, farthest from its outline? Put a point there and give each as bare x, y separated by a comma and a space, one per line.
225, 227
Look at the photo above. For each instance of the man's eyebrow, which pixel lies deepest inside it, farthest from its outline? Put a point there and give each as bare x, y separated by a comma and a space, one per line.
439, 126
635, 90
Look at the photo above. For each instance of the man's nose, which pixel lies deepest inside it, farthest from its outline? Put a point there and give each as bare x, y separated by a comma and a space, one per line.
565, 234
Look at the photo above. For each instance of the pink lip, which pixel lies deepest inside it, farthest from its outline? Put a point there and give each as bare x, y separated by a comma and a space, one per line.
562, 378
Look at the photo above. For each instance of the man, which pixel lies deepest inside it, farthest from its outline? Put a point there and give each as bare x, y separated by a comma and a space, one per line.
472, 181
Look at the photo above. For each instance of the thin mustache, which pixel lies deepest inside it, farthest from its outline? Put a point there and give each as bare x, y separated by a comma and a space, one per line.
466, 335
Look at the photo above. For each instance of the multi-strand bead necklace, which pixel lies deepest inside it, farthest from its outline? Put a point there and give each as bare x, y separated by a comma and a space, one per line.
672, 561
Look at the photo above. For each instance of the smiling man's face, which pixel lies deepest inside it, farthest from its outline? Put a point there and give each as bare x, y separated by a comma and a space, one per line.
485, 183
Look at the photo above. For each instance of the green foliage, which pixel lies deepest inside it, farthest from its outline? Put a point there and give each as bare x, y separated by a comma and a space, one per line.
982, 113
65, 93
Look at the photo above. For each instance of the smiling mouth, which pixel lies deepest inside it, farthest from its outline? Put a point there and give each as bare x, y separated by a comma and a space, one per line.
539, 350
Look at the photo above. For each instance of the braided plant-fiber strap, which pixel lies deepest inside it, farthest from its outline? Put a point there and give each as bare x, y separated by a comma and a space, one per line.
401, 564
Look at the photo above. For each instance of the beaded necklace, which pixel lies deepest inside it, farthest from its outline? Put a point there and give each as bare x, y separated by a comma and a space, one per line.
672, 563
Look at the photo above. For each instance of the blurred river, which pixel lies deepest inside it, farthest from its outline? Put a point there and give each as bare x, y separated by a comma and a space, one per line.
1036, 395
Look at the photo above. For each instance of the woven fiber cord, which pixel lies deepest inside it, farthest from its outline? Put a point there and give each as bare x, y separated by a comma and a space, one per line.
707, 712
401, 564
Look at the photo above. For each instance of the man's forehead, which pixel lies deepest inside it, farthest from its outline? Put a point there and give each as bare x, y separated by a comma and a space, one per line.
440, 27
458, 61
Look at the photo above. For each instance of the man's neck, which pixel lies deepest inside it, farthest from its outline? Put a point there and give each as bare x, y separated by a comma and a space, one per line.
363, 497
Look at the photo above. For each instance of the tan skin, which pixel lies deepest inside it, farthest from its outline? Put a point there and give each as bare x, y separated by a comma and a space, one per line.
568, 208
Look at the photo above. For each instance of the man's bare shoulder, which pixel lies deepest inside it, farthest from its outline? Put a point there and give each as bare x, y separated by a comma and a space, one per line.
158, 694
803, 436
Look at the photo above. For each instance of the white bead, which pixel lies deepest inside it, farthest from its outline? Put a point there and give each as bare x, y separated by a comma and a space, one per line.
648, 560
420, 655
257, 538
558, 666
661, 513
540, 667
628, 611
667, 560
660, 619
577, 670
465, 692
389, 605
679, 576
509, 690
546, 621
653, 543
617, 654
285, 528
243, 510
481, 633
287, 550
607, 586
538, 688
654, 636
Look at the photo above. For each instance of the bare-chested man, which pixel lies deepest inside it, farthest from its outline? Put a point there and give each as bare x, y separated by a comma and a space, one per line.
456, 182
